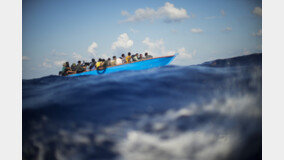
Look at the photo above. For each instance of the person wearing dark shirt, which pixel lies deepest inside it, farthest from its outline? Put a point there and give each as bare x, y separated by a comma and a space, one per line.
73, 67
140, 57
135, 57
92, 64
79, 68
148, 56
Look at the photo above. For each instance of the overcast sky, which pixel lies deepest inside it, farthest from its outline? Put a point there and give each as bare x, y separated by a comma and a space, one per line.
55, 31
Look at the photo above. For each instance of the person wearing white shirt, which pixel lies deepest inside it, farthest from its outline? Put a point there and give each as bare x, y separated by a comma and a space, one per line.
118, 61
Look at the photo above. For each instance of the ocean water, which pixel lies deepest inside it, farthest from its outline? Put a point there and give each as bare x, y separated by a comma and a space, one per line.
209, 111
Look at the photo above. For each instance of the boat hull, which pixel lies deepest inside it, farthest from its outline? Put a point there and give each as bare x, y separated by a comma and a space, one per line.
140, 65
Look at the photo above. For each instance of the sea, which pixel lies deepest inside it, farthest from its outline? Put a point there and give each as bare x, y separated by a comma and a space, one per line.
210, 111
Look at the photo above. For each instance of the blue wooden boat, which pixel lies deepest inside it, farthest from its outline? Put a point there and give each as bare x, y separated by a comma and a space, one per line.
140, 65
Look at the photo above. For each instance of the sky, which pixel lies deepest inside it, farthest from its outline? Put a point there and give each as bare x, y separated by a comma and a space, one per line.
56, 31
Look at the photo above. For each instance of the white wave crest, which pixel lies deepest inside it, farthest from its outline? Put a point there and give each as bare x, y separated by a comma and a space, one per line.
210, 140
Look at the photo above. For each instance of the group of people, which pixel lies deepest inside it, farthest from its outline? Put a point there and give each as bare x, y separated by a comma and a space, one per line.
101, 63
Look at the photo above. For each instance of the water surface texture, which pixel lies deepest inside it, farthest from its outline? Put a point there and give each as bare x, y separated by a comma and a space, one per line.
209, 111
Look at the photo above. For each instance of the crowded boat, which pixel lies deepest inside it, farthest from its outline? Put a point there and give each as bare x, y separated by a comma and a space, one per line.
101, 63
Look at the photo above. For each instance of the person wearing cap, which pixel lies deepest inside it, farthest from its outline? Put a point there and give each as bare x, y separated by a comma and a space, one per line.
73, 67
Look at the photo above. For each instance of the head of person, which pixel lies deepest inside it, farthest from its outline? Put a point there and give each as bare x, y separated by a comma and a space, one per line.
114, 57
93, 60
129, 53
67, 64
146, 54
73, 64
79, 62
141, 55
122, 55
100, 59
136, 54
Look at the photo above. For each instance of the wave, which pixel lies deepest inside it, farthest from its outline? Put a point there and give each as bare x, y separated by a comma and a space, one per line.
217, 130
193, 112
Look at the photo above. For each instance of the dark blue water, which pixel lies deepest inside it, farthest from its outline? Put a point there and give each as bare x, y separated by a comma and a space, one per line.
207, 111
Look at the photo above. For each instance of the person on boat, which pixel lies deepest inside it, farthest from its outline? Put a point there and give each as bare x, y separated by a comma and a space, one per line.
63, 66
85, 65
98, 64
148, 56
108, 62
66, 69
113, 61
103, 62
123, 58
119, 61
73, 67
62, 72
79, 67
140, 57
132, 57
70, 70
135, 57
92, 64
128, 58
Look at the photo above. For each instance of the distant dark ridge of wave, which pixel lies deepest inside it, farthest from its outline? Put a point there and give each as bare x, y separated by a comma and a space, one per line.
252, 59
